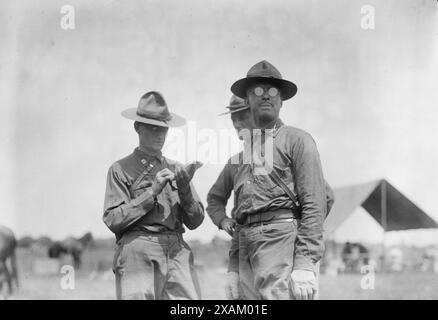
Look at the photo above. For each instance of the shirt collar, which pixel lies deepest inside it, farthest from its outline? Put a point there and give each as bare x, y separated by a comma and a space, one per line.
278, 125
272, 129
143, 155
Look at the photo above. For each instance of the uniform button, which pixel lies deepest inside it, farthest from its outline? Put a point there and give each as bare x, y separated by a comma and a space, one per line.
248, 182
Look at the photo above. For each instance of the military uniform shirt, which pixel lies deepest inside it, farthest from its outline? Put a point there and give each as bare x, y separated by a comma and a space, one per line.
296, 160
136, 209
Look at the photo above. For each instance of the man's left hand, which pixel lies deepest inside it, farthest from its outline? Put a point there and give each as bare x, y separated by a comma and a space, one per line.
182, 178
304, 284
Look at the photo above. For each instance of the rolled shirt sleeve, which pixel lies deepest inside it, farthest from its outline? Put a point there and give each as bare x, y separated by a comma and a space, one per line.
217, 199
310, 186
120, 211
219, 194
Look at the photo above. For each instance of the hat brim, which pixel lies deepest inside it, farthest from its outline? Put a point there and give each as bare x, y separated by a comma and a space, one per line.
288, 89
176, 121
241, 108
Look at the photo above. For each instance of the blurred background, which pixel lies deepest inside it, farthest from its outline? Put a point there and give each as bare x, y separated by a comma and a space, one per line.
367, 96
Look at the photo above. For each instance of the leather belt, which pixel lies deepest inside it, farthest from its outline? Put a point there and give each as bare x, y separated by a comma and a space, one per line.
268, 216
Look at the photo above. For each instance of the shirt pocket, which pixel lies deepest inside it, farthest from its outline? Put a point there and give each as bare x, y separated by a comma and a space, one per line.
285, 173
267, 185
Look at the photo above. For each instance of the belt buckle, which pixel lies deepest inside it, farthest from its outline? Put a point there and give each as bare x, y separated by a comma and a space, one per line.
249, 220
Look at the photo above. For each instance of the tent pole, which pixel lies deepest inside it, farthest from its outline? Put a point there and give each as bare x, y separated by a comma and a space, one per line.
383, 219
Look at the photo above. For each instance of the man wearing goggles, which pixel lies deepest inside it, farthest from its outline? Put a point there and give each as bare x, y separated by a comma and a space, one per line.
220, 192
279, 245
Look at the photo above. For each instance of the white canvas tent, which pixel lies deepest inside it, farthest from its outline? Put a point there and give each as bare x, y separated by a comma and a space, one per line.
388, 206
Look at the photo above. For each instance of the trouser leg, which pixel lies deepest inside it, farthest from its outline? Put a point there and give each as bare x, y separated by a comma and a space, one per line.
272, 260
140, 269
182, 282
233, 253
233, 262
270, 250
246, 274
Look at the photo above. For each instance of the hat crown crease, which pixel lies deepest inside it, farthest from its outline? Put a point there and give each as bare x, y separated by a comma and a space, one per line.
149, 107
264, 69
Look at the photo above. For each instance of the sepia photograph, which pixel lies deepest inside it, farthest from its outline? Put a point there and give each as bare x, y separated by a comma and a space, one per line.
219, 150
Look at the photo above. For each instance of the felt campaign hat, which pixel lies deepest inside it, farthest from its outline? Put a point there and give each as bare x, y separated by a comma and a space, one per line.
152, 109
263, 71
236, 104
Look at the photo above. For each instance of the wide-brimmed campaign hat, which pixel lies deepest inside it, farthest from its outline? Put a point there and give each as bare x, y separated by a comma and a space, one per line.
264, 72
236, 104
152, 109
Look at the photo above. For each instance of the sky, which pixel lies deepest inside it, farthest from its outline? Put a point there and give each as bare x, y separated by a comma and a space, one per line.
367, 96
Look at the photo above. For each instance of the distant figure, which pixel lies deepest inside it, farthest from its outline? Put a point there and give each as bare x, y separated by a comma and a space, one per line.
429, 260
71, 246
395, 259
346, 256
8, 244
363, 253
354, 256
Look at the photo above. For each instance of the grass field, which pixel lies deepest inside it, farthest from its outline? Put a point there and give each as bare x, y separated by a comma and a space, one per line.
387, 286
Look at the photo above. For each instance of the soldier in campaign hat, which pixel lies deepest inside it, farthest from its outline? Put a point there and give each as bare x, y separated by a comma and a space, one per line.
280, 240
148, 201
221, 190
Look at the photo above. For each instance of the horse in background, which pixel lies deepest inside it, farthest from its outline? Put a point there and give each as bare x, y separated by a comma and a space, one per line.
71, 246
8, 244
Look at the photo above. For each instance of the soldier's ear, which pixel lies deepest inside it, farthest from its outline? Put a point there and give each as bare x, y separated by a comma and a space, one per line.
136, 127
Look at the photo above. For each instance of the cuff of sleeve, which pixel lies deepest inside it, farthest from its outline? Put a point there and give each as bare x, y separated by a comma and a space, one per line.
304, 263
219, 221
217, 218
186, 198
187, 201
189, 206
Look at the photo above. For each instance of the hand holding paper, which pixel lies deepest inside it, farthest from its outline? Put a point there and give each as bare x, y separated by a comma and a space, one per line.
191, 168
183, 175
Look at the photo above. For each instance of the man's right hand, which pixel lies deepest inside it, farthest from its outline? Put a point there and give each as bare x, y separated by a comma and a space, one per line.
228, 225
161, 178
232, 286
